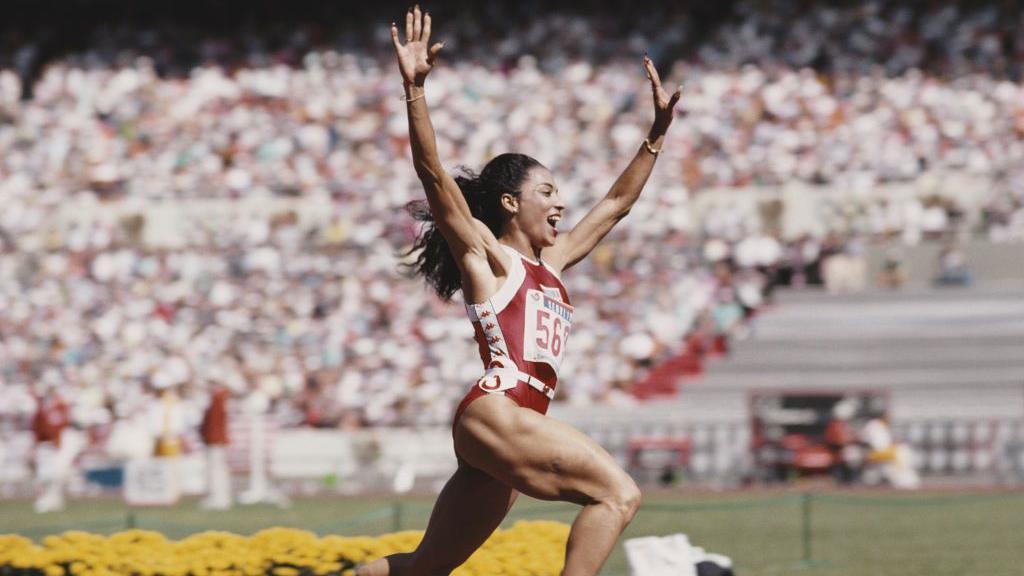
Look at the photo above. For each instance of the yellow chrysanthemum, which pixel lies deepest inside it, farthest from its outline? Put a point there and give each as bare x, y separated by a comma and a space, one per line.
528, 548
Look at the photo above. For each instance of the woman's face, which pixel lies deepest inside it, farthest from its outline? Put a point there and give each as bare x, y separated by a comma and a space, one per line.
539, 208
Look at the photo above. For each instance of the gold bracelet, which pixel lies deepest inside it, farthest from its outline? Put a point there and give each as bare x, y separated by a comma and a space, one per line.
414, 98
650, 148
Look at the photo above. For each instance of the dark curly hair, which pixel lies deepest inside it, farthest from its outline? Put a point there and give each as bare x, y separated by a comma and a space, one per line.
504, 174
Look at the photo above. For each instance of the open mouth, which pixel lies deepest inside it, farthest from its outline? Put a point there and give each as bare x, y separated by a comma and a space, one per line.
553, 221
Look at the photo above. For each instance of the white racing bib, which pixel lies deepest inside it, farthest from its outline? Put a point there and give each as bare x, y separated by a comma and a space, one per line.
546, 327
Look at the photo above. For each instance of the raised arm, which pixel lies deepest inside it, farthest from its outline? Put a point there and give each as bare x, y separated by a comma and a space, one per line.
416, 59
574, 246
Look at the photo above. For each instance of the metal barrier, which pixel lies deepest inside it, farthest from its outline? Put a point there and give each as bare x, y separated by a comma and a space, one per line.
964, 447
717, 451
720, 451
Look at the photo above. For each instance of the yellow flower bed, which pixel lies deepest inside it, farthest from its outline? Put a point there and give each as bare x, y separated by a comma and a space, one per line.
527, 549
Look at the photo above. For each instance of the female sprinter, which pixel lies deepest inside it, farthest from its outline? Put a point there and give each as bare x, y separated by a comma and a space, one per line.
494, 236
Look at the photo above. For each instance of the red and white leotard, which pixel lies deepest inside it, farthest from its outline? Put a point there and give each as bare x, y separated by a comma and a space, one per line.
522, 331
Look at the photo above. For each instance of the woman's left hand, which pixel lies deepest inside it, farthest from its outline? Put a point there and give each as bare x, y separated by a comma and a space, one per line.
664, 104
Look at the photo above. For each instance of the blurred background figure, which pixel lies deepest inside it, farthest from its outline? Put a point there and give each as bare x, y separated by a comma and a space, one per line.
888, 461
894, 273
845, 270
214, 433
952, 267
842, 439
262, 489
167, 417
54, 449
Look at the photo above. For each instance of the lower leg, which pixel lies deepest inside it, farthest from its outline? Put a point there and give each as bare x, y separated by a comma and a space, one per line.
593, 536
467, 511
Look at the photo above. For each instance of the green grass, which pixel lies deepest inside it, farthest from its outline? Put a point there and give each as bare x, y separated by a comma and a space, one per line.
853, 533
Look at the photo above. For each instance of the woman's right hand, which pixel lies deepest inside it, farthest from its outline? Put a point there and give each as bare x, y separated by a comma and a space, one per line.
415, 59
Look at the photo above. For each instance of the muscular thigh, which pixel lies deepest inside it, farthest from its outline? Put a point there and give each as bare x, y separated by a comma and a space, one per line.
535, 454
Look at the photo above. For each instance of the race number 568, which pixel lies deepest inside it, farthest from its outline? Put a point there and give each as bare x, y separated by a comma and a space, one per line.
547, 323
551, 332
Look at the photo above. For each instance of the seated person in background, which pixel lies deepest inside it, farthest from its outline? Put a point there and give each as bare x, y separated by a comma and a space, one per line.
894, 273
841, 439
888, 460
952, 267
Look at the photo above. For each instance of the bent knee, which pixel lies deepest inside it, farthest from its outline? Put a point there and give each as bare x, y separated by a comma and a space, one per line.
624, 498
631, 498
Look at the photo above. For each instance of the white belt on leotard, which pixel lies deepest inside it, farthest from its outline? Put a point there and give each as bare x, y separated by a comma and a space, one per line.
538, 385
499, 378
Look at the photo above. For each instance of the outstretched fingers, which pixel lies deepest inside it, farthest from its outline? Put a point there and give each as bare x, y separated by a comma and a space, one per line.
661, 97
433, 52
415, 56
417, 23
675, 97
652, 72
409, 26
394, 36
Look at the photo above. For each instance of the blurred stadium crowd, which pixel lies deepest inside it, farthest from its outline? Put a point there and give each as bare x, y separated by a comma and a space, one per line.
315, 316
